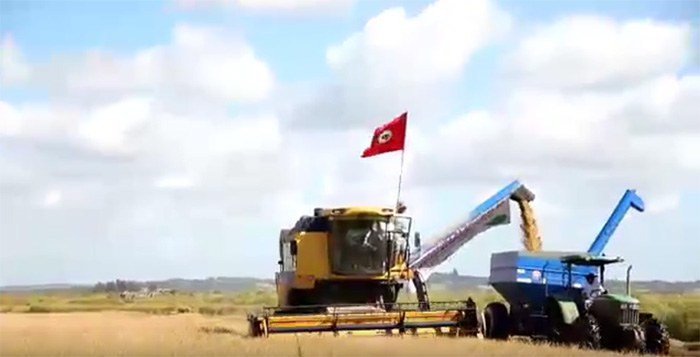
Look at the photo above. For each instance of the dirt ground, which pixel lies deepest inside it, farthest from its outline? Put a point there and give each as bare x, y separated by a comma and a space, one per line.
137, 334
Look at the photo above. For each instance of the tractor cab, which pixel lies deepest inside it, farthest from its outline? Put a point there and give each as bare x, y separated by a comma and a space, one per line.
594, 262
608, 308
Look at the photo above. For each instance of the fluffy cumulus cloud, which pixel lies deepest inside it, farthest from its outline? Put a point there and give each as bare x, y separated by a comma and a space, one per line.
205, 63
12, 66
595, 51
305, 7
137, 153
401, 61
138, 164
572, 109
581, 112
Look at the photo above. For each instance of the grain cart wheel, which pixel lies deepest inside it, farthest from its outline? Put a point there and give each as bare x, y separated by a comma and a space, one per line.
496, 321
587, 332
657, 338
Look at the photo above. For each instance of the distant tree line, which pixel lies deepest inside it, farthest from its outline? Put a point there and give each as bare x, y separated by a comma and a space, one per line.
119, 286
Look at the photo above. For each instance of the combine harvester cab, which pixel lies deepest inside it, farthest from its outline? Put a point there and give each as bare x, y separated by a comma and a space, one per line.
341, 271
544, 292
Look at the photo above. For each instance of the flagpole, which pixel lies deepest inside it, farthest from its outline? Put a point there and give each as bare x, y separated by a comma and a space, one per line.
403, 151
398, 194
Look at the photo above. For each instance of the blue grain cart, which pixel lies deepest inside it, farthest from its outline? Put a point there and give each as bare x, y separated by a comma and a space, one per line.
544, 292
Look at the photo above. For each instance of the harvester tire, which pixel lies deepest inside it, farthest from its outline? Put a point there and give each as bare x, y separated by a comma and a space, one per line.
657, 337
496, 321
587, 332
254, 329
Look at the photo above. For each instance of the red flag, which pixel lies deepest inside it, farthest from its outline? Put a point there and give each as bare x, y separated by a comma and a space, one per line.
388, 137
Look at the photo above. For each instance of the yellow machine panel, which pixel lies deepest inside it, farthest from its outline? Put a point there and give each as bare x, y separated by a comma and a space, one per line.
312, 256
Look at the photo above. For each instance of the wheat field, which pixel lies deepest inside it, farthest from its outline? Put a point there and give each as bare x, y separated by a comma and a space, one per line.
209, 324
137, 334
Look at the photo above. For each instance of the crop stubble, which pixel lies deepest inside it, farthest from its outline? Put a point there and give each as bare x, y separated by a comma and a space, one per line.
136, 334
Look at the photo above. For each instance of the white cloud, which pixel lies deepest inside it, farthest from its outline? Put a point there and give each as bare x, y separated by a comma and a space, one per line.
586, 50
52, 198
663, 203
13, 69
570, 137
173, 182
10, 122
687, 147
149, 190
200, 62
399, 61
144, 151
107, 128
294, 5
395, 49
272, 6
638, 135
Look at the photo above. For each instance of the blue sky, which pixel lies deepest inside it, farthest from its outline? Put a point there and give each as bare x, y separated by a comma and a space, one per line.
294, 47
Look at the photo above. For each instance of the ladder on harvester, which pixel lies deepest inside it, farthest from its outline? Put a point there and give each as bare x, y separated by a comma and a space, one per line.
421, 291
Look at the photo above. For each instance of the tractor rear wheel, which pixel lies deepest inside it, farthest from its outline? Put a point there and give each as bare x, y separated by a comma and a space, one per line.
496, 321
657, 337
587, 331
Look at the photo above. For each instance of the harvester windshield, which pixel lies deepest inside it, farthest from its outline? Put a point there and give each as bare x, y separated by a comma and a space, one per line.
367, 245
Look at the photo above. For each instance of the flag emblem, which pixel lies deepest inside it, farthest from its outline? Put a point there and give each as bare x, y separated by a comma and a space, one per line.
384, 137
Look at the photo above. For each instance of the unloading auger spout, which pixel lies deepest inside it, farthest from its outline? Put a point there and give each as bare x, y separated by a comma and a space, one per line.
493, 212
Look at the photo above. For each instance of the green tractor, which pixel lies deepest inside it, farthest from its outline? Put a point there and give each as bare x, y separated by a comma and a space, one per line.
610, 321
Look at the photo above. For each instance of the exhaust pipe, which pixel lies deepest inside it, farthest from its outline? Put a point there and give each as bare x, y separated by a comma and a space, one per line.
627, 282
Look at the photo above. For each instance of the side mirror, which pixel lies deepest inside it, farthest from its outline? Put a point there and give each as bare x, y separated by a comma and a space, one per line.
293, 247
416, 240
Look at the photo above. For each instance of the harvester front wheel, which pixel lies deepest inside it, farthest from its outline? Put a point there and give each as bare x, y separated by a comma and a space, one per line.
496, 321
254, 328
388, 297
657, 337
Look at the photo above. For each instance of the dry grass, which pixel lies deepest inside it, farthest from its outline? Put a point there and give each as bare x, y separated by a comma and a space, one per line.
102, 324
137, 334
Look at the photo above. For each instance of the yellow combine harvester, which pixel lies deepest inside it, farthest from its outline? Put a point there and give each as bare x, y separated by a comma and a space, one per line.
342, 269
